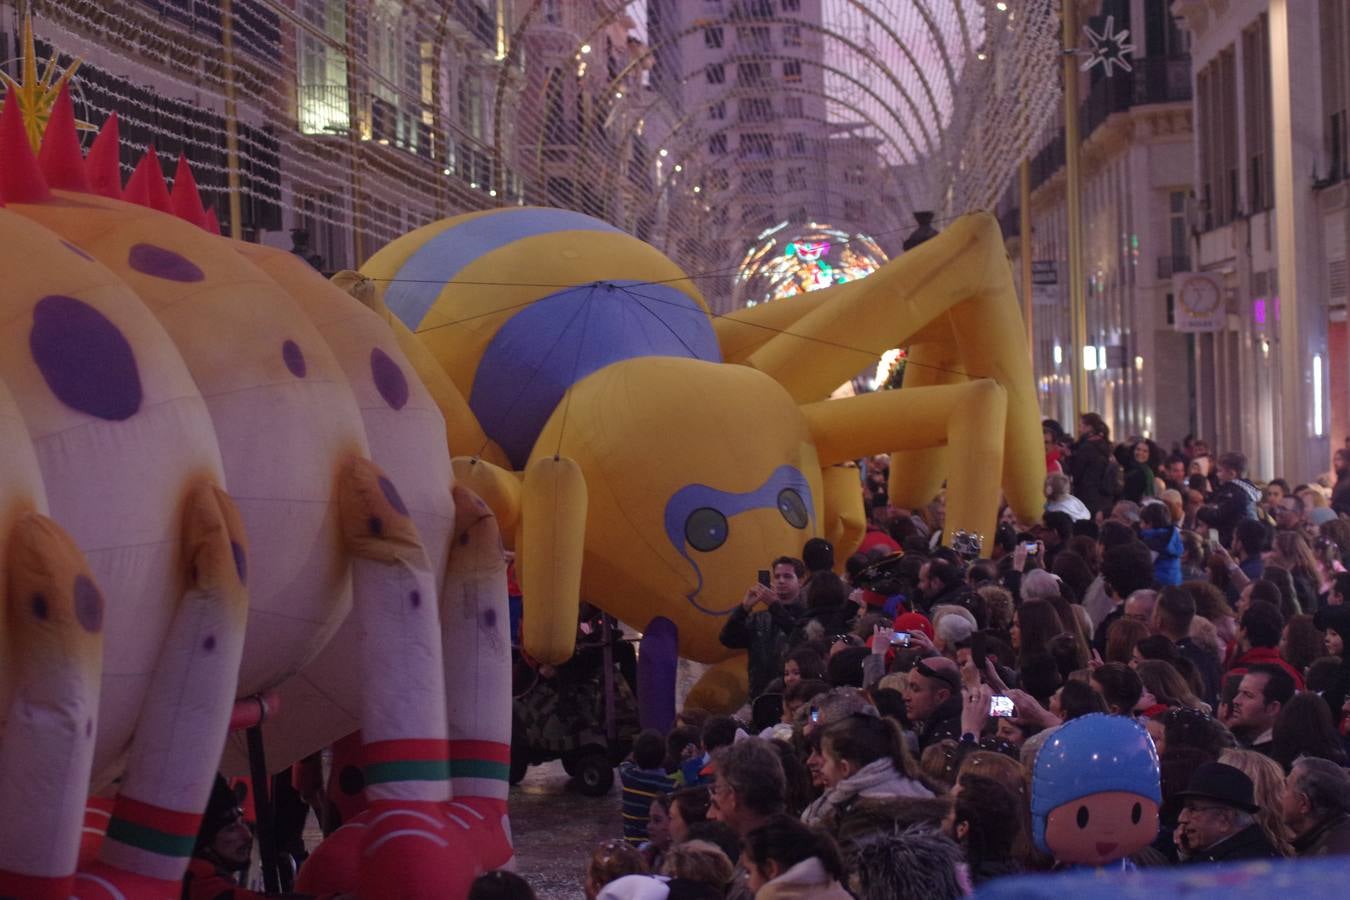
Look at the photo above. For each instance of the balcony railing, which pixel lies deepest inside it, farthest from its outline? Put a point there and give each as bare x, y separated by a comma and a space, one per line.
1154, 80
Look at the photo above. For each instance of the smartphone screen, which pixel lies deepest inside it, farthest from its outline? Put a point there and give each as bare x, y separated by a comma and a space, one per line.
900, 639
1001, 707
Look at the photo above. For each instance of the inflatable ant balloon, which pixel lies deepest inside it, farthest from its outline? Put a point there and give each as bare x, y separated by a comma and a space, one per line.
1095, 792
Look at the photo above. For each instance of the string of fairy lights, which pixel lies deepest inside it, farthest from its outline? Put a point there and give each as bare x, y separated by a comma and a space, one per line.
363, 119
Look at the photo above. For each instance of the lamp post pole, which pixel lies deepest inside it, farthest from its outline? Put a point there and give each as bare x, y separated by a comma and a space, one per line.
1074, 208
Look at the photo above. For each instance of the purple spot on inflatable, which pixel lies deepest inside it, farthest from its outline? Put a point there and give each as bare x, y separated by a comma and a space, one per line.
40, 607
389, 379
240, 563
391, 494
88, 604
295, 360
463, 539
489, 619
160, 263
209, 644
77, 251
376, 526
84, 358
415, 598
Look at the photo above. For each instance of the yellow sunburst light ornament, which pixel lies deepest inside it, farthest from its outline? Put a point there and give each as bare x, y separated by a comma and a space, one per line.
37, 95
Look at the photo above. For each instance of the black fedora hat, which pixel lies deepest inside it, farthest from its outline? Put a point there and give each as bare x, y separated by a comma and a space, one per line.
1222, 784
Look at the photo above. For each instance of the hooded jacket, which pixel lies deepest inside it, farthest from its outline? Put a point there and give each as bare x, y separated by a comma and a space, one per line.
1166, 547
807, 880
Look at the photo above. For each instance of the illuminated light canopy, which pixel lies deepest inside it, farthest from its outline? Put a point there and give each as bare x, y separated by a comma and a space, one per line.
808, 258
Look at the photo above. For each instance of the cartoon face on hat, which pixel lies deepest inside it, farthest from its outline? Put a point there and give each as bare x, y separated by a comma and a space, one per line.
1095, 791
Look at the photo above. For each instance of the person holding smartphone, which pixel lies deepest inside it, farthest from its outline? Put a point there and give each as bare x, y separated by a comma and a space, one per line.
764, 632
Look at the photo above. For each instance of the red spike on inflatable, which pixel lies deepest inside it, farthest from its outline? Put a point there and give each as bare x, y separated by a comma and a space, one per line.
60, 158
212, 223
105, 172
21, 180
187, 199
147, 187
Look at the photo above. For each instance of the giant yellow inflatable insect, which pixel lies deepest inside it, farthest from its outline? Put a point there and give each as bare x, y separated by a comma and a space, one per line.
649, 458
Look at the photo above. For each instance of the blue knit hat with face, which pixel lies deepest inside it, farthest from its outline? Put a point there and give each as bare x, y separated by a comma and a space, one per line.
1093, 754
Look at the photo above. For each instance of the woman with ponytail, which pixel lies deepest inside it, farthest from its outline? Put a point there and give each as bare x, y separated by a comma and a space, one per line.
864, 757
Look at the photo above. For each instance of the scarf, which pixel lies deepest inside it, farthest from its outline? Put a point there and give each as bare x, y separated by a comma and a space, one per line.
876, 779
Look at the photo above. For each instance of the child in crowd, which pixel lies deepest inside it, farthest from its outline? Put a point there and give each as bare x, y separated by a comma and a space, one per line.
644, 779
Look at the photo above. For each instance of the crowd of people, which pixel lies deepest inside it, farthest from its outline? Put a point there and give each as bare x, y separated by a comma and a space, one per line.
896, 711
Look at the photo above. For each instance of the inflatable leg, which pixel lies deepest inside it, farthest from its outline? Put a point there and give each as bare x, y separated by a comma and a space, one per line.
657, 662
55, 614
967, 417
723, 689
406, 849
962, 274
474, 621
175, 750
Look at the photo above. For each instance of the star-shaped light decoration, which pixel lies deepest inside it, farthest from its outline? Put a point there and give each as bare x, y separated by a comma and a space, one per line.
1109, 48
37, 95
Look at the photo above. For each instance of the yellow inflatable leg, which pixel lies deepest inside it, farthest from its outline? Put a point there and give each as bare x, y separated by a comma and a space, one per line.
968, 418
963, 273
499, 488
844, 522
917, 475
551, 542
723, 689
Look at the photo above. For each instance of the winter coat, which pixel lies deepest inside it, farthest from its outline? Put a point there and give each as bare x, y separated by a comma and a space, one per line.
1331, 838
807, 880
1249, 843
765, 634
878, 779
1089, 467
1234, 501
1166, 547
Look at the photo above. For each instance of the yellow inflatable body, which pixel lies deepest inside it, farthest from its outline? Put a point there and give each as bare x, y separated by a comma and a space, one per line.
648, 458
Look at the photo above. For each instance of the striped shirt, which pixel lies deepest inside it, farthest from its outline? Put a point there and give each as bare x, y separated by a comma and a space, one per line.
640, 788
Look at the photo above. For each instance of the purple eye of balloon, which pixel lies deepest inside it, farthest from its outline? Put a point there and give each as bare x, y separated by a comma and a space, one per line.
1082, 817
1137, 813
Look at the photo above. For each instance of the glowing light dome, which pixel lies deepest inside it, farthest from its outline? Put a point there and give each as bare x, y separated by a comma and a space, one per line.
786, 261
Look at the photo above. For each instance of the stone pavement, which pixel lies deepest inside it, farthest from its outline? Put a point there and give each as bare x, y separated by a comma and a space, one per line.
556, 827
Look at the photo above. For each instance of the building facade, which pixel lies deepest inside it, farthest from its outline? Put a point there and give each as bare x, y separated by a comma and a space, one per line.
1272, 83
1225, 152
1136, 167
